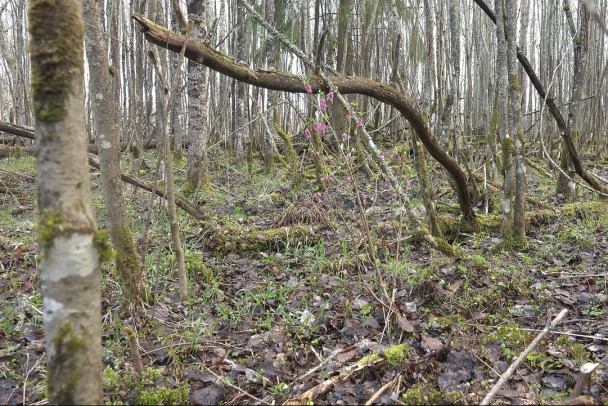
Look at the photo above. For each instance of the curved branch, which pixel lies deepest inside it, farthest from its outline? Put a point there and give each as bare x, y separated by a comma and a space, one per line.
274, 80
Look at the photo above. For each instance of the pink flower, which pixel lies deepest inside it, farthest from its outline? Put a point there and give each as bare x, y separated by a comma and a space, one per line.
345, 136
348, 177
308, 88
326, 178
317, 197
307, 133
320, 128
330, 95
350, 115
301, 114
323, 104
359, 121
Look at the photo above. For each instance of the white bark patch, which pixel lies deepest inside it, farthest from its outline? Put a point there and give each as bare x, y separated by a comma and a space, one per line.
506, 206
73, 255
51, 307
105, 144
99, 96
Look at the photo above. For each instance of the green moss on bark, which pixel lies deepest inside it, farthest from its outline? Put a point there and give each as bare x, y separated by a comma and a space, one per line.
56, 57
104, 246
51, 221
66, 343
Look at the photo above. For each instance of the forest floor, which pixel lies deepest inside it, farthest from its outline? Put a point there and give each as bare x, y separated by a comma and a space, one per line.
285, 298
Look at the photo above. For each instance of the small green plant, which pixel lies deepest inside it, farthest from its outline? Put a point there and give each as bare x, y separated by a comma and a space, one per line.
280, 389
163, 396
145, 386
479, 262
421, 394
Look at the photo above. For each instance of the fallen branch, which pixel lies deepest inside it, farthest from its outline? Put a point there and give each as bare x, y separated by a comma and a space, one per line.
507, 374
179, 201
380, 391
377, 359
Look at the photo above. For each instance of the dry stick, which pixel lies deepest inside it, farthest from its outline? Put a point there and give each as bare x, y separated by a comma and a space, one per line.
584, 379
224, 381
325, 362
507, 374
381, 391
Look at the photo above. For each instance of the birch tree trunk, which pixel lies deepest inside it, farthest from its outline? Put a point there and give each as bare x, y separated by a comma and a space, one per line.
105, 125
70, 276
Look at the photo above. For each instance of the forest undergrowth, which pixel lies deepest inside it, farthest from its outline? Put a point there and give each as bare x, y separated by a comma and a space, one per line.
285, 298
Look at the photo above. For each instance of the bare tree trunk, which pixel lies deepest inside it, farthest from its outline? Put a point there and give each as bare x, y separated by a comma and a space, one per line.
580, 39
505, 138
165, 105
515, 129
105, 125
70, 273
268, 133
242, 126
198, 128
338, 112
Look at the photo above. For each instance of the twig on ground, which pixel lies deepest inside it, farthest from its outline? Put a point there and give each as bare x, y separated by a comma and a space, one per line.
225, 382
381, 391
328, 360
507, 374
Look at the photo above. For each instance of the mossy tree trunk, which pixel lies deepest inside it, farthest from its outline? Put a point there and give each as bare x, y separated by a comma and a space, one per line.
70, 275
272, 97
105, 128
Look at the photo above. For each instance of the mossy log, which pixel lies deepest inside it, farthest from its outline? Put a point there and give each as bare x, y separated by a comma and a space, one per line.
234, 239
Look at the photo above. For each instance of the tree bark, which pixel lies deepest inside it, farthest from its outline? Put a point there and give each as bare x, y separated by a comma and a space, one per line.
242, 126
506, 138
105, 125
70, 254
198, 130
275, 80
515, 129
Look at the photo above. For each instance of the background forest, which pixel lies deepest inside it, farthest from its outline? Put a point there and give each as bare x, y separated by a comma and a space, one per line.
324, 201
